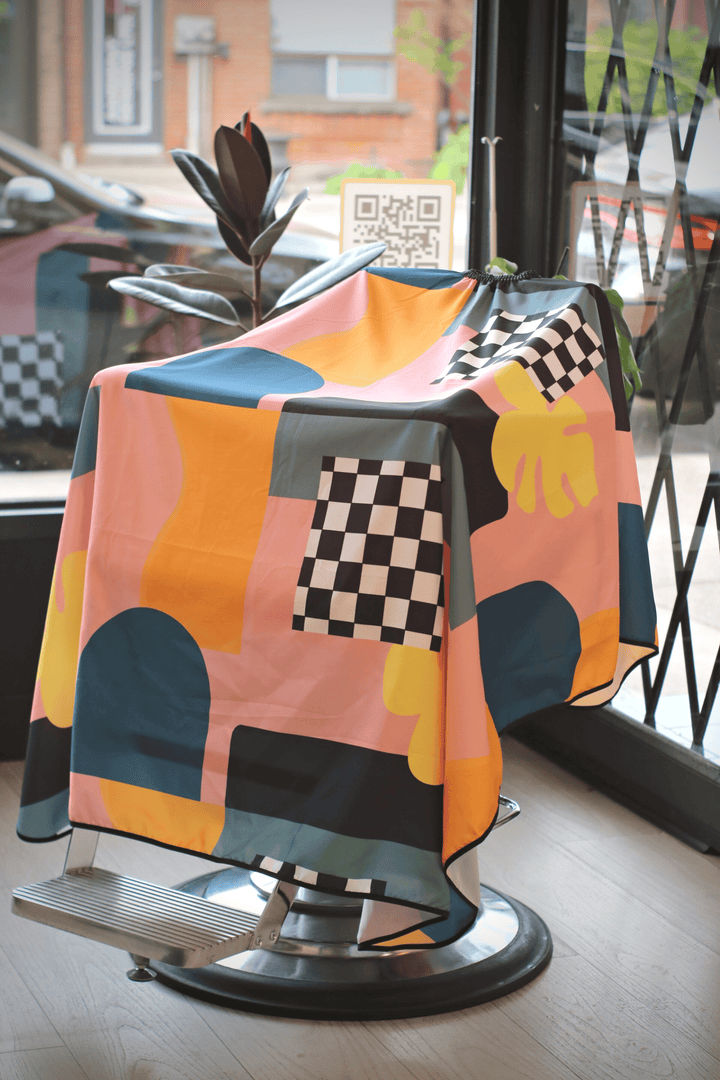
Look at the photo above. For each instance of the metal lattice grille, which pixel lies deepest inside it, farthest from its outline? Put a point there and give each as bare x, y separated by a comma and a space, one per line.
652, 233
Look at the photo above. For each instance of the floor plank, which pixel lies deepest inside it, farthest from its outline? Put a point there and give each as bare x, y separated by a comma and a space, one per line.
272, 1047
666, 875
479, 1042
52, 1064
23, 1024
582, 1017
649, 957
631, 992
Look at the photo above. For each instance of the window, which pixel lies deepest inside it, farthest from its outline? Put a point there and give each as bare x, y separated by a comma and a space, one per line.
334, 51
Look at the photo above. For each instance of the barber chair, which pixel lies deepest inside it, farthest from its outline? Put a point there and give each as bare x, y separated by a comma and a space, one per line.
245, 940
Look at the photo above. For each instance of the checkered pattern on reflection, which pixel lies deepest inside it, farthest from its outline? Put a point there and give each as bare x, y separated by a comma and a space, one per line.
373, 566
30, 380
286, 871
557, 348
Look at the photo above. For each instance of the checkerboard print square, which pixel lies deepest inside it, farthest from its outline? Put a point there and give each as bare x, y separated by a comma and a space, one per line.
30, 378
557, 349
286, 871
373, 565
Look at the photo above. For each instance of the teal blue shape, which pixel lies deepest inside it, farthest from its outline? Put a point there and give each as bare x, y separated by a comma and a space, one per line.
142, 705
638, 617
411, 873
86, 449
238, 376
46, 819
62, 304
301, 442
529, 647
459, 919
422, 279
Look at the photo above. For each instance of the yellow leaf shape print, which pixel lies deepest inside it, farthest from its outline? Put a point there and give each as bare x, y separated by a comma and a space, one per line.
536, 431
59, 653
412, 684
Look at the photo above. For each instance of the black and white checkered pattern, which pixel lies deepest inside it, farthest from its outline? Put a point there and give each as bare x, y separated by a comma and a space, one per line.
373, 566
30, 378
557, 348
286, 871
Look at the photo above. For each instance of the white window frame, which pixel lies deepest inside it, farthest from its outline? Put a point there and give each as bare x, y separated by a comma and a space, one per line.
144, 75
331, 78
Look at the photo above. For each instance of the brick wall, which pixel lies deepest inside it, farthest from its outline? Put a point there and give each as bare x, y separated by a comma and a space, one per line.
74, 73
398, 140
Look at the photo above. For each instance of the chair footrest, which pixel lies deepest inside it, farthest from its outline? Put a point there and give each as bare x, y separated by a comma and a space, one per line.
139, 917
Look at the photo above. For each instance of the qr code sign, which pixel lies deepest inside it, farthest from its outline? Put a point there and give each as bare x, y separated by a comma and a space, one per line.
413, 217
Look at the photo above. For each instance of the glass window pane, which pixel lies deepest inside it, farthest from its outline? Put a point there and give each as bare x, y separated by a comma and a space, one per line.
299, 75
333, 26
643, 197
364, 79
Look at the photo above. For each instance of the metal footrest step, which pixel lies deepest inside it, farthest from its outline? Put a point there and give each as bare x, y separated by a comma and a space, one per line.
150, 920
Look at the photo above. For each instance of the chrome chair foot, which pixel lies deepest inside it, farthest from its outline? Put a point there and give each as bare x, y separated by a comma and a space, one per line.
141, 972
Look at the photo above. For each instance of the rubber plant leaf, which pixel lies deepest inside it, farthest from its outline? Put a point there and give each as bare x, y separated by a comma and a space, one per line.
169, 270
191, 278
234, 242
259, 143
274, 192
111, 252
165, 294
267, 239
207, 184
330, 273
242, 177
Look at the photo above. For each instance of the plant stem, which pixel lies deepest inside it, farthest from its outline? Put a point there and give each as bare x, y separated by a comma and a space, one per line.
257, 294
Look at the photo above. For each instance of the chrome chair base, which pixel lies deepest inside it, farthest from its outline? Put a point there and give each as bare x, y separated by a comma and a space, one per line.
315, 970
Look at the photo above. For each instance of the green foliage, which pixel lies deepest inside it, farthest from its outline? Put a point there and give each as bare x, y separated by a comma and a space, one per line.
357, 171
687, 49
416, 43
451, 161
499, 266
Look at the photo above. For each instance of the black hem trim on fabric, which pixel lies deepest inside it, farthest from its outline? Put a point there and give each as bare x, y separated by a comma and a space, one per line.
375, 944
45, 839
246, 866
653, 651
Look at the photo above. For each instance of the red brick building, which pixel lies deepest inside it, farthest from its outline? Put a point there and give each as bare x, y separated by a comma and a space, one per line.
323, 77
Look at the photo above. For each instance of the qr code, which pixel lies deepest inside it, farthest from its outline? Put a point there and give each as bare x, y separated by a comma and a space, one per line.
413, 219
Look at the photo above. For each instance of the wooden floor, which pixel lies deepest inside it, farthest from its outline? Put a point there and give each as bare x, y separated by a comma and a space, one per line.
632, 991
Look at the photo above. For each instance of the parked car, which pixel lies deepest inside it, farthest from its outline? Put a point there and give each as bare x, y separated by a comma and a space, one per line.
62, 237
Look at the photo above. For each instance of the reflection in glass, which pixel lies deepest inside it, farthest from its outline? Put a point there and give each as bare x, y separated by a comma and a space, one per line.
642, 190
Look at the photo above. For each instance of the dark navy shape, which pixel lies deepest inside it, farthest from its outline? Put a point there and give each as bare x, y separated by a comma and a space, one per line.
352, 790
142, 704
86, 449
423, 279
529, 649
638, 617
237, 376
48, 761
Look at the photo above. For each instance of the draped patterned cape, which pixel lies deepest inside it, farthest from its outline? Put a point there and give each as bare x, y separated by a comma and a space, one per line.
306, 578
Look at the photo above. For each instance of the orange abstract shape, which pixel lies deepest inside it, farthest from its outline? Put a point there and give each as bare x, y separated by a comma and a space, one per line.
59, 654
169, 819
197, 570
415, 937
412, 684
534, 430
472, 787
399, 324
599, 635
